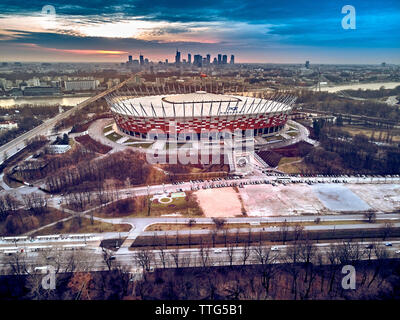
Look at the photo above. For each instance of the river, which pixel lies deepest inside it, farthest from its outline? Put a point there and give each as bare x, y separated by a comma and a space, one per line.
363, 86
42, 101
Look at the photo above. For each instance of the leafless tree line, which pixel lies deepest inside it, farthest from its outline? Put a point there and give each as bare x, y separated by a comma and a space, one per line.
301, 270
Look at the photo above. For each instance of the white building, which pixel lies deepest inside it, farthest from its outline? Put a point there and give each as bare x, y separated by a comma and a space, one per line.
34, 82
80, 85
58, 148
8, 125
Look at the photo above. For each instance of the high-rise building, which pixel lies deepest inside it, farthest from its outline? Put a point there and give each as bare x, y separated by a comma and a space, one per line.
215, 61
197, 60
189, 58
141, 60
130, 59
307, 65
178, 58
232, 59
208, 58
219, 58
224, 59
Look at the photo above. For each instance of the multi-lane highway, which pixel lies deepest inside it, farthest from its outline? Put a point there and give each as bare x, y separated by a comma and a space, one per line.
93, 260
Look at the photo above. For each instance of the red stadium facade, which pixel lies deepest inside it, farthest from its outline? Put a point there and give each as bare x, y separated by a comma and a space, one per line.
199, 113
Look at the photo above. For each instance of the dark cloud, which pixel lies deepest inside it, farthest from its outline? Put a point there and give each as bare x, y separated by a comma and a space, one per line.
298, 23
254, 11
70, 41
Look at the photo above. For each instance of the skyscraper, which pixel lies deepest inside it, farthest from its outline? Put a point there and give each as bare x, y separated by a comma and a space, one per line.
224, 59
189, 58
208, 58
197, 60
232, 59
307, 65
141, 60
130, 59
219, 58
178, 58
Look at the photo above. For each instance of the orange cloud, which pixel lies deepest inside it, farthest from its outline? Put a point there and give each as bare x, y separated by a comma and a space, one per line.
86, 52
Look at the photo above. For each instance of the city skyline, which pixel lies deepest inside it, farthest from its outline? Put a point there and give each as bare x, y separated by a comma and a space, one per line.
256, 32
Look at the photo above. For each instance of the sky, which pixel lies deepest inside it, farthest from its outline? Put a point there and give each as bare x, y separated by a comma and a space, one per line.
264, 31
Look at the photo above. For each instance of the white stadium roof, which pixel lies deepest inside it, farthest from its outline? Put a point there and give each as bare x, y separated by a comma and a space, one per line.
198, 104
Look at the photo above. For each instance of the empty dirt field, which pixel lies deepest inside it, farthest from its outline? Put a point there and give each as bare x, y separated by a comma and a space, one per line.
380, 197
267, 200
223, 202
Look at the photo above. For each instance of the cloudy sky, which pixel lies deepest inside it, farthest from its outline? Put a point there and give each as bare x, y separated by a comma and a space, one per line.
276, 31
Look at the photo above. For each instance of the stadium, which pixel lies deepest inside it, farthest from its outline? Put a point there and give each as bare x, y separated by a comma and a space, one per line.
198, 115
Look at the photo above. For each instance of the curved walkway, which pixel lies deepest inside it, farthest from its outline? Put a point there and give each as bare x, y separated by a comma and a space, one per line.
95, 131
302, 136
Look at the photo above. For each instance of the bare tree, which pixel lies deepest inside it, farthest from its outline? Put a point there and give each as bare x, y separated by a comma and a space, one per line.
334, 260
370, 216
107, 258
17, 263
162, 255
191, 223
382, 255
387, 229
298, 231
144, 258
291, 258
307, 252
204, 253
219, 222
175, 254
266, 259
230, 251
245, 253
283, 231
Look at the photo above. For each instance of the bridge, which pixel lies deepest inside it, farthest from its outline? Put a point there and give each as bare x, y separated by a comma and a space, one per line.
12, 147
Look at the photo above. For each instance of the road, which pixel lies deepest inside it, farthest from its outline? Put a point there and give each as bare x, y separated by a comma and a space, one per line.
13, 146
93, 260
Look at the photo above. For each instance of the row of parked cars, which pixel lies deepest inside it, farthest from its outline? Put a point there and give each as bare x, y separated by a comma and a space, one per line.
341, 176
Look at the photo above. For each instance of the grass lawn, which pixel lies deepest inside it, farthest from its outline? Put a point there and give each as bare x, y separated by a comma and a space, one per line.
354, 130
45, 218
274, 138
73, 226
12, 183
114, 136
286, 160
107, 129
71, 142
178, 205
140, 145
187, 207
292, 134
133, 140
